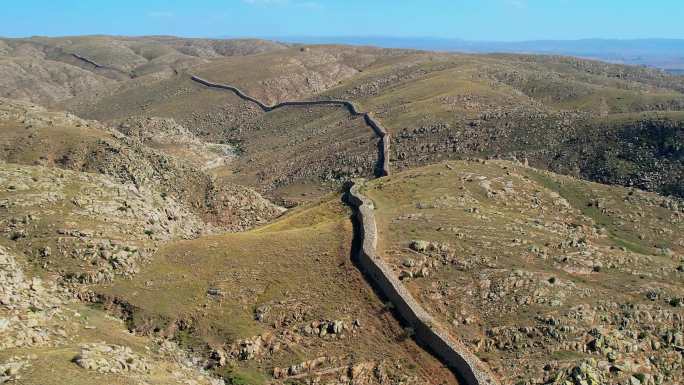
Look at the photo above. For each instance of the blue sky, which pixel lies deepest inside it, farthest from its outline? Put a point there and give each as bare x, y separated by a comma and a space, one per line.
467, 19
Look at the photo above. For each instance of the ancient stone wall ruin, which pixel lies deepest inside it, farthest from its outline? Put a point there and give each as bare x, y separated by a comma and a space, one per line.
382, 167
452, 353
85, 59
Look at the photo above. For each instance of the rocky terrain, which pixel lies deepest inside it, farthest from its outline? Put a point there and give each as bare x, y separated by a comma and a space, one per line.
49, 338
144, 237
247, 303
174, 139
33, 135
93, 211
548, 279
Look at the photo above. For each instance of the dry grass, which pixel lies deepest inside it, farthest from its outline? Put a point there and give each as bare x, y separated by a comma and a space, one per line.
518, 229
302, 260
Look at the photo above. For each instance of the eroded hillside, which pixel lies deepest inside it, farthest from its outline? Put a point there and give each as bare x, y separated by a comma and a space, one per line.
32, 135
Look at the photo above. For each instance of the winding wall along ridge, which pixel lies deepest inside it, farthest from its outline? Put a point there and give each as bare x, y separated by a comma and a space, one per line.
382, 167
99, 66
85, 59
457, 357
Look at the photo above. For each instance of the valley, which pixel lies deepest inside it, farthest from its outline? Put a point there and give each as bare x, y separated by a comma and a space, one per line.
382, 165
201, 211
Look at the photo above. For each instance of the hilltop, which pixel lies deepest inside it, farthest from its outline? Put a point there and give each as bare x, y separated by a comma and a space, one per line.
664, 54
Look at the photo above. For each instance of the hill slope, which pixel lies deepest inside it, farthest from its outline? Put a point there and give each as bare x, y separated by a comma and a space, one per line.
50, 70
33, 135
603, 122
48, 338
545, 277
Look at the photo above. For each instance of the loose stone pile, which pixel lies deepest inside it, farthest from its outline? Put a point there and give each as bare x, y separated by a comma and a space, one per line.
30, 311
334, 370
10, 371
104, 358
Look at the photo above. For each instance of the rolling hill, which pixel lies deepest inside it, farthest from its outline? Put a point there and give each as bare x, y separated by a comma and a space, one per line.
157, 230
603, 122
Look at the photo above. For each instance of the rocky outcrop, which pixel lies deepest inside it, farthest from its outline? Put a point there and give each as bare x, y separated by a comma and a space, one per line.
90, 147
382, 167
104, 358
427, 331
30, 309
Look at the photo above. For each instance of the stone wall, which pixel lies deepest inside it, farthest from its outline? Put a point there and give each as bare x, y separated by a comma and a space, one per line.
236, 90
383, 168
469, 369
383, 154
85, 59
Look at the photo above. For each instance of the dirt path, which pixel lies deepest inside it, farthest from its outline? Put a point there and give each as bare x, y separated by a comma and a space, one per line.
382, 167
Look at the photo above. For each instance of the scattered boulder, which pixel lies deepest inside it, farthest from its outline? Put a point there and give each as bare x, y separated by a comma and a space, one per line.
419, 246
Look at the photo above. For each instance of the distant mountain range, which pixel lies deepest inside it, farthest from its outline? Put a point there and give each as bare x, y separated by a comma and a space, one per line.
667, 54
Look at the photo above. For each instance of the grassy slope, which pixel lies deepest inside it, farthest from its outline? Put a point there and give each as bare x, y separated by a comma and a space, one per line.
302, 260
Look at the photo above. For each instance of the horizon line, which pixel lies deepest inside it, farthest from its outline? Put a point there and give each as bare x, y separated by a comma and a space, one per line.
379, 36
